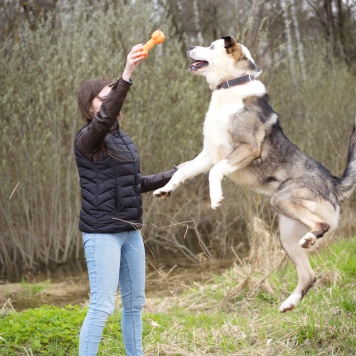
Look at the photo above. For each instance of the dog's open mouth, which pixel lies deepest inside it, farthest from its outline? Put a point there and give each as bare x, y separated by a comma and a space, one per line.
197, 64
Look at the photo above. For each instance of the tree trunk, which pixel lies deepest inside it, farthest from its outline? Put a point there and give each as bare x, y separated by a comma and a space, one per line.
341, 29
288, 37
298, 38
197, 22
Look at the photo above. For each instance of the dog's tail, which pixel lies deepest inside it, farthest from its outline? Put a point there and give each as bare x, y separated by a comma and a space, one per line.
347, 182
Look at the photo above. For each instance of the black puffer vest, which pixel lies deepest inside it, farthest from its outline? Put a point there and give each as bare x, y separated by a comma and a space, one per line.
111, 187
109, 171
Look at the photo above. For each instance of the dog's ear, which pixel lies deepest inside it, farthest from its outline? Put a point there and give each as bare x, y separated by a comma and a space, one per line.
230, 44
229, 41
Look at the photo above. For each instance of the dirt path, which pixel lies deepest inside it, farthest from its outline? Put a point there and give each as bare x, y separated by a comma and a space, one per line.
160, 282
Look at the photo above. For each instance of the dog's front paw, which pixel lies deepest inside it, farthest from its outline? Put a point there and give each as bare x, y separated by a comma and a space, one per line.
216, 203
307, 240
162, 193
216, 197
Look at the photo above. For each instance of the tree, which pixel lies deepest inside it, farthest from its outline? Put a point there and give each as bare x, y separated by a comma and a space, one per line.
338, 21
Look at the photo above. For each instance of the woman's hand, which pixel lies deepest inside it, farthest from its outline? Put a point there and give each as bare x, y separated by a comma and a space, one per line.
133, 59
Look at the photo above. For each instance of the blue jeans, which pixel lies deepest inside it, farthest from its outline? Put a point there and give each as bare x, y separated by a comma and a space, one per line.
112, 260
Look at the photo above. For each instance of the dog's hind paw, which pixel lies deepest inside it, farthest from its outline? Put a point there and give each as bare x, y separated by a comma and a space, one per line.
290, 303
160, 193
307, 240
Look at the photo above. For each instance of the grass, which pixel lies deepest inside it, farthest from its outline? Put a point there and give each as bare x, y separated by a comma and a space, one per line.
236, 314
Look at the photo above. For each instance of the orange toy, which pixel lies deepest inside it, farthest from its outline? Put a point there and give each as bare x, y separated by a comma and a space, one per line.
157, 37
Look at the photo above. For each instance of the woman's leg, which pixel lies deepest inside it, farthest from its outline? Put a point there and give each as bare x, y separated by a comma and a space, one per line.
103, 255
132, 290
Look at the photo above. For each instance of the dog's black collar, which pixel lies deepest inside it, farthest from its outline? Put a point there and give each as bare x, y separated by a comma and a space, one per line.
237, 81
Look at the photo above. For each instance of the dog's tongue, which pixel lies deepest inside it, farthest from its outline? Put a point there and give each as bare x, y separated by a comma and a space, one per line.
199, 64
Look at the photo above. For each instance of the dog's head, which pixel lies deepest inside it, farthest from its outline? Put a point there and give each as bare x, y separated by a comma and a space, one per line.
225, 59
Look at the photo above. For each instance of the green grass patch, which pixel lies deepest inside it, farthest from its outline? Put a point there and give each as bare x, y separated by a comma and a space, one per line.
236, 314
31, 289
41, 330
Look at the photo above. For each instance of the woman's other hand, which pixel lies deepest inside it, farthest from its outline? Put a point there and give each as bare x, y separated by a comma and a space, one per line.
133, 59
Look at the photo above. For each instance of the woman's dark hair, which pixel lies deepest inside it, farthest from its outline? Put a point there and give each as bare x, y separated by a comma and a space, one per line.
87, 92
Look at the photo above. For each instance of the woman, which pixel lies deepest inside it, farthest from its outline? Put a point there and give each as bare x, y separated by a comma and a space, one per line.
110, 216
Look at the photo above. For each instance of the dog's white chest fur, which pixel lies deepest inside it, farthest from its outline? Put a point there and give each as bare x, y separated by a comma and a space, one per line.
217, 138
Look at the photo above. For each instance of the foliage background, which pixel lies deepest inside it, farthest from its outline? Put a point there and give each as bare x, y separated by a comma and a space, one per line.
49, 48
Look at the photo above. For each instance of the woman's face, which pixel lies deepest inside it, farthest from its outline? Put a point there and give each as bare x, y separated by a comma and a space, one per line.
98, 100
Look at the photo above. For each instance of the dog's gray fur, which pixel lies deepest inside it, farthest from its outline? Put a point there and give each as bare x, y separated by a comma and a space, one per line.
243, 140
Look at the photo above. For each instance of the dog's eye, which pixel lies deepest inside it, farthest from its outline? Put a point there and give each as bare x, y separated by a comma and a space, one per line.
212, 47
